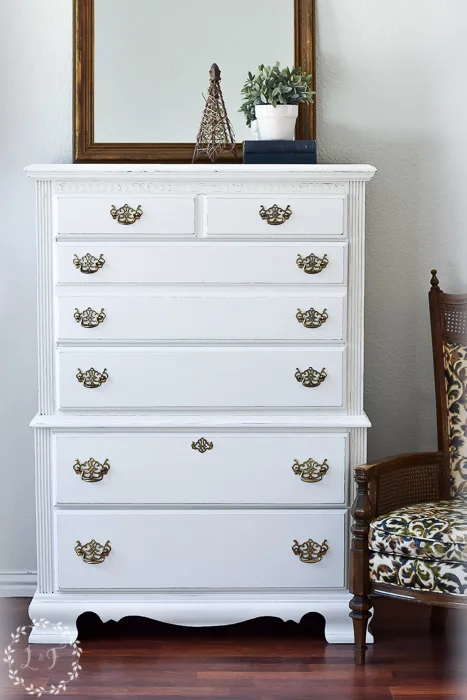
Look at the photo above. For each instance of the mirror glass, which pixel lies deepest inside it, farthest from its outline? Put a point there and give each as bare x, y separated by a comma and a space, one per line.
152, 61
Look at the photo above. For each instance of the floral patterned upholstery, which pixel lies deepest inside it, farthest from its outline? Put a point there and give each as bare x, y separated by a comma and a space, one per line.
455, 365
422, 547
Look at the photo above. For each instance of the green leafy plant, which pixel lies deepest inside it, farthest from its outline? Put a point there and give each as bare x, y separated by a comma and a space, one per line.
273, 86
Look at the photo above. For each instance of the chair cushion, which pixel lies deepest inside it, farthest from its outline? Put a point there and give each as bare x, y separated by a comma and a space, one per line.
425, 531
422, 546
435, 576
455, 366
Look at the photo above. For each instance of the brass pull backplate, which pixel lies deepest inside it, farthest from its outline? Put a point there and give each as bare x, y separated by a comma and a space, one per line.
126, 215
202, 445
310, 552
91, 471
312, 318
92, 379
311, 264
93, 552
311, 378
275, 216
311, 472
89, 318
88, 264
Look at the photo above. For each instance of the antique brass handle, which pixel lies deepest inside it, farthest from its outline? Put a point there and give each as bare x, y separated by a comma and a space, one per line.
91, 471
311, 378
312, 318
89, 318
311, 264
88, 264
275, 216
126, 215
93, 552
92, 379
202, 445
310, 471
310, 552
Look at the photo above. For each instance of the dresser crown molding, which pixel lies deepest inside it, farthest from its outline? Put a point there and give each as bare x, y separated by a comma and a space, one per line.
200, 374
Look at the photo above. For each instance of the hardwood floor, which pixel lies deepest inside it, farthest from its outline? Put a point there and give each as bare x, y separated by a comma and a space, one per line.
261, 660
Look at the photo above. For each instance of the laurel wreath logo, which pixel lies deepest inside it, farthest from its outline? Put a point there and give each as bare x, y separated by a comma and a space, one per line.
13, 673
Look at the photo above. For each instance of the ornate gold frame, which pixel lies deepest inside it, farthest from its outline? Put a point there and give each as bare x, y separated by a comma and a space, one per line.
86, 150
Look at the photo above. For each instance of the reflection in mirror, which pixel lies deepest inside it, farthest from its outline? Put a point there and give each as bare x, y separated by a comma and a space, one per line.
152, 61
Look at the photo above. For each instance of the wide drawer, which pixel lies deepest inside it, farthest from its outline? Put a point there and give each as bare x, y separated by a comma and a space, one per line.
119, 316
202, 263
126, 215
200, 467
199, 549
278, 215
201, 377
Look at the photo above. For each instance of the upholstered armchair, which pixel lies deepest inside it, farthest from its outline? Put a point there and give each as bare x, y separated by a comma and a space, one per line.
409, 535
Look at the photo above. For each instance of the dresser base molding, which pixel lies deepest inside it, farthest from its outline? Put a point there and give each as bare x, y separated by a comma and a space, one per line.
200, 610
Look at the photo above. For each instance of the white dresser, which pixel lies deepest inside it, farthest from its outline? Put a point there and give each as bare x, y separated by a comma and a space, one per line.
200, 392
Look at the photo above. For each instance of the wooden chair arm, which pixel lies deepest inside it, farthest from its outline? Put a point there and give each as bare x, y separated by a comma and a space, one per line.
398, 482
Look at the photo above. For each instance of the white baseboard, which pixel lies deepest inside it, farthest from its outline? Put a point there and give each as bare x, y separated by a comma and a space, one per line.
17, 584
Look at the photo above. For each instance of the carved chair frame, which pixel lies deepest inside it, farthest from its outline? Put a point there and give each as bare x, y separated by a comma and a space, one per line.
403, 481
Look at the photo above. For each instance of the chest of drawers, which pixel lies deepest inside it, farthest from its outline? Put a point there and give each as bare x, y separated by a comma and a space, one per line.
200, 392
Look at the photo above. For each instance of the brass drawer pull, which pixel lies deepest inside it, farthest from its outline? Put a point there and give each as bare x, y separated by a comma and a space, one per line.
310, 552
310, 471
126, 215
93, 552
275, 216
311, 264
89, 318
91, 471
202, 445
312, 318
88, 264
311, 378
92, 379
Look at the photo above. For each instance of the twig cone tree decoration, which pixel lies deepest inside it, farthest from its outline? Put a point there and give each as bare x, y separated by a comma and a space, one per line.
215, 134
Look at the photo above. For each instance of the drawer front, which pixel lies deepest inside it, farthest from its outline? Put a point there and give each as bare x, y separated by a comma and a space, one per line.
126, 215
202, 263
177, 549
278, 215
201, 378
199, 467
152, 317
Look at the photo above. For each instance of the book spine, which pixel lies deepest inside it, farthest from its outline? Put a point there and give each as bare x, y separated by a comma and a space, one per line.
280, 146
280, 159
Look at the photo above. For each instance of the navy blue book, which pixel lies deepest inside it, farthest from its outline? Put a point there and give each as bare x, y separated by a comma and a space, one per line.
280, 159
280, 152
280, 147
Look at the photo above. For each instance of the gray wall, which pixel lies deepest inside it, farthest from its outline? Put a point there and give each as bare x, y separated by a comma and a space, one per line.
391, 82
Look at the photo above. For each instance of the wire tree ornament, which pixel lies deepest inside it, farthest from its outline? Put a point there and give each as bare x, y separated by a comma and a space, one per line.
215, 134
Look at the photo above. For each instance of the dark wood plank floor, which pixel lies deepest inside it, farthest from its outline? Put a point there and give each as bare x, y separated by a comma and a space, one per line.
261, 660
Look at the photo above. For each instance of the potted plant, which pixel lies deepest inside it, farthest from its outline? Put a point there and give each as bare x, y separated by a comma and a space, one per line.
271, 99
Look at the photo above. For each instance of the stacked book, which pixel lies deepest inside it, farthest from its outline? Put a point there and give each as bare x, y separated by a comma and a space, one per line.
280, 152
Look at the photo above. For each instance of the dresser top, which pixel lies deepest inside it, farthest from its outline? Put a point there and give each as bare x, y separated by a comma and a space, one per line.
307, 173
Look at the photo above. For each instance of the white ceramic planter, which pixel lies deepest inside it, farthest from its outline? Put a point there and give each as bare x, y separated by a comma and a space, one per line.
276, 123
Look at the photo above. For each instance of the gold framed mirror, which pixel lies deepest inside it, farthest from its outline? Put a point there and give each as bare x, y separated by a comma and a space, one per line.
141, 68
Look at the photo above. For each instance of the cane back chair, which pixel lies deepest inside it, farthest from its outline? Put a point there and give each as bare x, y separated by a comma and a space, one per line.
409, 534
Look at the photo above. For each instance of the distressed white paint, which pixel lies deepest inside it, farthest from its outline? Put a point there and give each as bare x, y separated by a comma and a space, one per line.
211, 502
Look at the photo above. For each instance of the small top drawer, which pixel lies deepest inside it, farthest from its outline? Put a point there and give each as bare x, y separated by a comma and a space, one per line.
280, 215
120, 214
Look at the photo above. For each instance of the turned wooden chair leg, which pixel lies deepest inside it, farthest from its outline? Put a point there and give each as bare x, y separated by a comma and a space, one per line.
360, 584
360, 606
